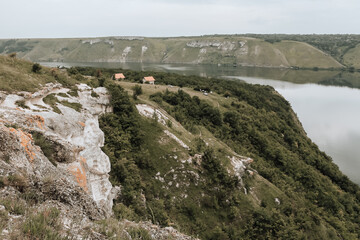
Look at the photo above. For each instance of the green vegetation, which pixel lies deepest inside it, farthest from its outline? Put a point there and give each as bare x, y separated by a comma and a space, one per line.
36, 68
343, 47
73, 91
94, 94
273, 51
14, 206
139, 233
18, 75
317, 200
64, 95
166, 184
137, 90
46, 146
73, 105
52, 100
4, 218
21, 103
43, 225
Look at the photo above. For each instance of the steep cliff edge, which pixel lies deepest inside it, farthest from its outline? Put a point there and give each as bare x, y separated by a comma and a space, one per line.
56, 158
75, 137
177, 151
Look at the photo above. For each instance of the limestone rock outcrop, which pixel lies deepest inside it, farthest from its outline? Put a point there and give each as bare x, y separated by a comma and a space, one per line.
65, 147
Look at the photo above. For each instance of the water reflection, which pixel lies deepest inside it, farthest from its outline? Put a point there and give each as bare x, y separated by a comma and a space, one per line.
327, 78
330, 115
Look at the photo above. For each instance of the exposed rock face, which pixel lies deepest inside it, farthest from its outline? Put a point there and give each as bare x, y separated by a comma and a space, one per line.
150, 112
223, 45
80, 169
239, 164
73, 176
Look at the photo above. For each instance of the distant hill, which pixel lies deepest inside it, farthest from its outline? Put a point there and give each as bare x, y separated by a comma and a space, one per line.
239, 50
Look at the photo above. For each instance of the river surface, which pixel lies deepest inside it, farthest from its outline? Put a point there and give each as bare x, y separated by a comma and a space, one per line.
326, 102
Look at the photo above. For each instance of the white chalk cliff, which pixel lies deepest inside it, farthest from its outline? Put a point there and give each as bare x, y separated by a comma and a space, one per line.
75, 137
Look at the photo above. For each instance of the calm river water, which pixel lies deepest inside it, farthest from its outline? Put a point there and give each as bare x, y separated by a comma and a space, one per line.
326, 102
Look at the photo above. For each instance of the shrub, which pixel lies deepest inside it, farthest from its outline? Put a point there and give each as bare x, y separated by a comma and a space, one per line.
123, 212
44, 225
21, 103
18, 181
137, 89
12, 55
14, 206
52, 100
36, 68
4, 218
46, 146
139, 233
73, 92
101, 81
94, 94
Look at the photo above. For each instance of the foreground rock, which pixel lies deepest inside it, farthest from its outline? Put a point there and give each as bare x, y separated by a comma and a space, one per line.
53, 167
74, 135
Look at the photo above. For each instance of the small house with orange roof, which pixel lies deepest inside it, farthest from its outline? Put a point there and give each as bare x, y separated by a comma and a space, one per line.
119, 76
149, 79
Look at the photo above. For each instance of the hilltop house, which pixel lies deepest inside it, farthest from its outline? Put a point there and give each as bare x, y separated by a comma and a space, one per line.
119, 76
149, 79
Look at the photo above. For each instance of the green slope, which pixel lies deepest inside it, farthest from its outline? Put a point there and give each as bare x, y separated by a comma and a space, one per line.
203, 199
352, 57
207, 49
18, 75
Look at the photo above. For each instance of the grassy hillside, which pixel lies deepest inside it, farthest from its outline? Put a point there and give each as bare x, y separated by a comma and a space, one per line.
203, 198
352, 57
207, 49
336, 45
291, 190
20, 75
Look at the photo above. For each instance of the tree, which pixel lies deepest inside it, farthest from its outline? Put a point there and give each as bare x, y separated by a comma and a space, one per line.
36, 67
137, 90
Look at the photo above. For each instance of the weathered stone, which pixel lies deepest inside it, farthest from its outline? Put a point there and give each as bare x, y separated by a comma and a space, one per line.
75, 139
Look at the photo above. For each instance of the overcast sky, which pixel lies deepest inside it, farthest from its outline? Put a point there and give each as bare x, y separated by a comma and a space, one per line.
152, 18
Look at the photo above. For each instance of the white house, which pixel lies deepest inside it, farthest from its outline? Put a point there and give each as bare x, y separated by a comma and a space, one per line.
119, 76
149, 79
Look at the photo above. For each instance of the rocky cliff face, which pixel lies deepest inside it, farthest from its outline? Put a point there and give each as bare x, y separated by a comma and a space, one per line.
57, 156
75, 138
53, 160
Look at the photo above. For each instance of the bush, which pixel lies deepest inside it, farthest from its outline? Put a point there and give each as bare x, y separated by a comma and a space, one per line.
14, 206
139, 233
94, 94
46, 146
44, 225
73, 92
12, 55
123, 212
36, 68
21, 103
137, 90
101, 81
